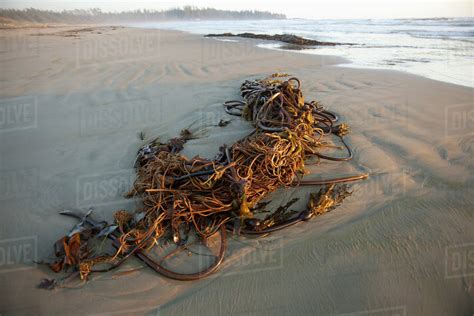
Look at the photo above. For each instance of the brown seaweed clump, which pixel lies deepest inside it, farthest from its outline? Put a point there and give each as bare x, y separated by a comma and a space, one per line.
207, 196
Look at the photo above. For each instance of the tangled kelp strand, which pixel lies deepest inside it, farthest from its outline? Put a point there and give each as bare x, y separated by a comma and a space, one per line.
200, 197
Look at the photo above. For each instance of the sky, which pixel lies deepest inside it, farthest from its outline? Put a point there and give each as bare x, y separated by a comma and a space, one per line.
317, 9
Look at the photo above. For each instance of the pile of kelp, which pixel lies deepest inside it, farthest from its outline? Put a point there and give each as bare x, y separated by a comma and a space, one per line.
205, 198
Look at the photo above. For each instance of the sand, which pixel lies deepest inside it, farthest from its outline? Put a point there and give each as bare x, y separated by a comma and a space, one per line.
74, 101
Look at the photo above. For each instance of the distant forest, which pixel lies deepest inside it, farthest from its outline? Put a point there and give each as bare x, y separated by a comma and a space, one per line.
97, 16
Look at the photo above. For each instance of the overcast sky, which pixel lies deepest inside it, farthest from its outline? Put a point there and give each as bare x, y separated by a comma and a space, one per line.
326, 9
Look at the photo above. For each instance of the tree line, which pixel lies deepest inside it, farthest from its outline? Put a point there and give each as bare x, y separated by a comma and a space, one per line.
98, 16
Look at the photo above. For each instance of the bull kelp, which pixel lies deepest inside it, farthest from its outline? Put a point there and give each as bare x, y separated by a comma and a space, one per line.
196, 201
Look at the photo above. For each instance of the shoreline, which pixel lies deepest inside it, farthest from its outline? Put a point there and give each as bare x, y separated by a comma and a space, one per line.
349, 64
344, 61
85, 100
435, 68
353, 64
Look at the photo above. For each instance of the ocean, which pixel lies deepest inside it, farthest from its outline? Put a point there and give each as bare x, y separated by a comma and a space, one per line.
440, 49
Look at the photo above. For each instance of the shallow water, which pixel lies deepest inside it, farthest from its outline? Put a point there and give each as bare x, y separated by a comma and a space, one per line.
440, 49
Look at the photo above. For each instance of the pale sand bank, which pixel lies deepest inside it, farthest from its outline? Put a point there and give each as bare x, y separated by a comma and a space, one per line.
77, 100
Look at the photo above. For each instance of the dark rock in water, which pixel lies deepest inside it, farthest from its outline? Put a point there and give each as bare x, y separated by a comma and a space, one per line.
285, 38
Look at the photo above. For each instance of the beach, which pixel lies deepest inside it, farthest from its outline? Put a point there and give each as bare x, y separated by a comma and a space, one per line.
76, 101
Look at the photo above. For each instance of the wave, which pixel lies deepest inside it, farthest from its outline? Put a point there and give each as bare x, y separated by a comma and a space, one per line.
435, 34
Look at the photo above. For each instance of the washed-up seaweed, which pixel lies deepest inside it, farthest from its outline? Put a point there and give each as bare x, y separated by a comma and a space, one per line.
184, 197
